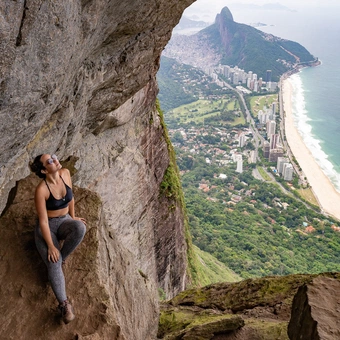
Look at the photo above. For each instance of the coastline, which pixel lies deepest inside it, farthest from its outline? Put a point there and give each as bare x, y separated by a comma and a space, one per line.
327, 196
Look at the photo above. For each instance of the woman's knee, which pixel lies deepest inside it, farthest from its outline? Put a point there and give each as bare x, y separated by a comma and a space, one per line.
80, 228
55, 268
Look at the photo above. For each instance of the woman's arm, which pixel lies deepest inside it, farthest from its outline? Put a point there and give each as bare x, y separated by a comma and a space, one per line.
67, 175
67, 178
71, 208
40, 204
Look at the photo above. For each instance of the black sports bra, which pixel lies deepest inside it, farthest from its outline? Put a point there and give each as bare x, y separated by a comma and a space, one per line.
54, 204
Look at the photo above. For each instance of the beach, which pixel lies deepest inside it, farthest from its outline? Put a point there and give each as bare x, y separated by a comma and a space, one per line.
328, 197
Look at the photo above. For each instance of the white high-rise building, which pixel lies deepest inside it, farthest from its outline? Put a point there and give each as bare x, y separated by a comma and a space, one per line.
239, 167
288, 172
235, 78
274, 109
210, 71
226, 71
252, 157
262, 117
280, 162
259, 116
242, 140
260, 82
271, 127
274, 141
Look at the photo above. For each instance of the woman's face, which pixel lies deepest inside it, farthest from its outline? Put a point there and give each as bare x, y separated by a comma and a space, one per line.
51, 163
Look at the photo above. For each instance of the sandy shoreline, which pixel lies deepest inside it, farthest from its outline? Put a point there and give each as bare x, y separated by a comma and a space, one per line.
328, 197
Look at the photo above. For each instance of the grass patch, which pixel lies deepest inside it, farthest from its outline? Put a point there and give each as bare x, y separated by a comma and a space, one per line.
308, 195
263, 173
200, 110
257, 103
212, 271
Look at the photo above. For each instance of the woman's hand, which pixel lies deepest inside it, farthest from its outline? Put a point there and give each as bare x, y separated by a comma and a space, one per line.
53, 254
80, 219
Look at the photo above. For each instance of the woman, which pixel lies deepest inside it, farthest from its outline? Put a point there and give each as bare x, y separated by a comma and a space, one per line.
54, 203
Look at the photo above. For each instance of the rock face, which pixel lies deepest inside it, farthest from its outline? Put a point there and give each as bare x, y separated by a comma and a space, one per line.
254, 309
100, 278
315, 311
77, 78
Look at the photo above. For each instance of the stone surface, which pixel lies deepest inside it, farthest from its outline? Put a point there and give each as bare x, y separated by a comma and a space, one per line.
108, 293
264, 305
315, 311
77, 78
196, 323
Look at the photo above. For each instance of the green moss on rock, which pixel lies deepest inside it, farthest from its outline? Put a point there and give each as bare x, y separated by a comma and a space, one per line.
196, 324
263, 305
171, 188
268, 329
247, 294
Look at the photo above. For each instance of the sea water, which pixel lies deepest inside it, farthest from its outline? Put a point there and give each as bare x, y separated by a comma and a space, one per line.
316, 90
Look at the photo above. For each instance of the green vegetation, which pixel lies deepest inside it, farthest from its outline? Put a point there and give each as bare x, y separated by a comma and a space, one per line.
171, 188
202, 269
264, 233
263, 173
171, 185
174, 324
224, 111
181, 84
247, 294
212, 270
171, 92
257, 103
307, 194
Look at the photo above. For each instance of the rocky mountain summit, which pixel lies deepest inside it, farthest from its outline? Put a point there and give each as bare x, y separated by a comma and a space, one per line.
230, 43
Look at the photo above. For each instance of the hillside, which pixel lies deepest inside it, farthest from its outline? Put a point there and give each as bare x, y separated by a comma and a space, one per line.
171, 93
181, 84
230, 43
212, 270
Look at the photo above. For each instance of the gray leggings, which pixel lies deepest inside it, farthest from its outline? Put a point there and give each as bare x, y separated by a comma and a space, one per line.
62, 228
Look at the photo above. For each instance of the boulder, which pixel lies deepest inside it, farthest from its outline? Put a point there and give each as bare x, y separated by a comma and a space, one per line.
112, 300
259, 309
315, 311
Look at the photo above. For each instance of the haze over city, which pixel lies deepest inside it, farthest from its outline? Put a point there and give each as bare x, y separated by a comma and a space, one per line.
206, 9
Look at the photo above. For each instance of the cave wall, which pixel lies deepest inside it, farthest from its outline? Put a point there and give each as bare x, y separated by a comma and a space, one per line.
77, 78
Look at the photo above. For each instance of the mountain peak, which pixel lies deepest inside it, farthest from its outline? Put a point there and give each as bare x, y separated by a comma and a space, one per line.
224, 15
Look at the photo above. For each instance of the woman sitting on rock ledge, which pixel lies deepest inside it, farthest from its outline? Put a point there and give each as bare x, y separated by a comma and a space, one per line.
56, 221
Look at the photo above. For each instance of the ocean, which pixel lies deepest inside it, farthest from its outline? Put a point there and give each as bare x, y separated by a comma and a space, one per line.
316, 97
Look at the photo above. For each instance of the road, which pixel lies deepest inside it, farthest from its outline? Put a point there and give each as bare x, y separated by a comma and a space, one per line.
258, 139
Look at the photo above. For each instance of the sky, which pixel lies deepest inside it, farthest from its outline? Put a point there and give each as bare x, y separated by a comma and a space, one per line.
206, 10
